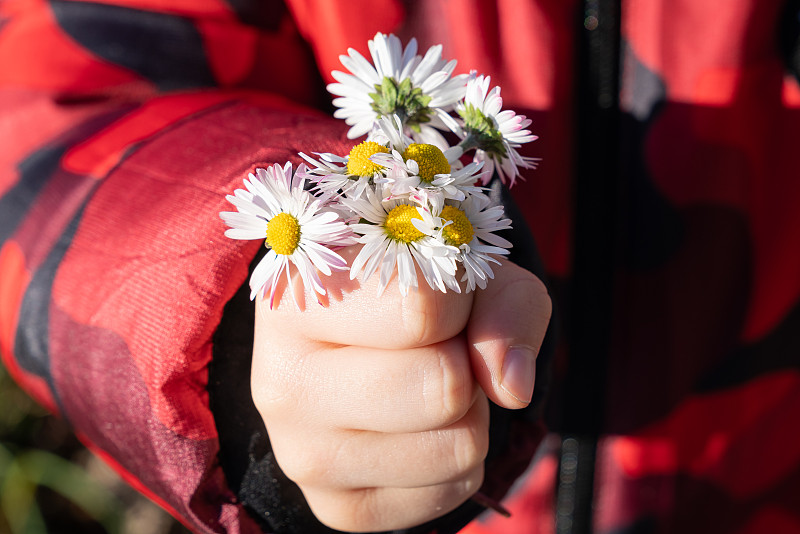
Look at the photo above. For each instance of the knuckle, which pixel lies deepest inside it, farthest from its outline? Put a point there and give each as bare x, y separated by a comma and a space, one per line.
538, 296
529, 296
458, 490
270, 396
276, 384
543, 297
431, 317
471, 445
473, 482
469, 451
449, 389
303, 464
352, 511
420, 316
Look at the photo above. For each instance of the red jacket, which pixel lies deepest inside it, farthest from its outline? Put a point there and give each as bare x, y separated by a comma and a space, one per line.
664, 210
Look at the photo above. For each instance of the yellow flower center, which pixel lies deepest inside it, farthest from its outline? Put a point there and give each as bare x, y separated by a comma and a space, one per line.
460, 231
430, 159
359, 164
283, 234
398, 224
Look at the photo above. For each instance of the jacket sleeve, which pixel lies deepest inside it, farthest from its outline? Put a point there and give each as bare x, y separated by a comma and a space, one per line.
120, 299
114, 270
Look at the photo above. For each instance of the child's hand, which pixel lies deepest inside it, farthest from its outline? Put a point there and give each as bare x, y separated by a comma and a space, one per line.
377, 406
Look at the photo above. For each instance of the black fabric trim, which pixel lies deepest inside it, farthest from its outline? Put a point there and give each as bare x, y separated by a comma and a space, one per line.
594, 256
31, 339
575, 490
775, 352
654, 228
789, 36
35, 172
263, 14
37, 169
596, 203
165, 49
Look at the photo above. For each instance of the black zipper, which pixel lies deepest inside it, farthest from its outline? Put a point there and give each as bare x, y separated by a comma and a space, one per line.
596, 203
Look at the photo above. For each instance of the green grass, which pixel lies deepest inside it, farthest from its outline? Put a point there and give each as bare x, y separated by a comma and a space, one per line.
49, 483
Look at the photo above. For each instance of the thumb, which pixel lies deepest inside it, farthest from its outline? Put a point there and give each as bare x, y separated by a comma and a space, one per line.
505, 330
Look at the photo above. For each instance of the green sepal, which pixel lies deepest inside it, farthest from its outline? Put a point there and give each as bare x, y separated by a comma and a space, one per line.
482, 131
401, 99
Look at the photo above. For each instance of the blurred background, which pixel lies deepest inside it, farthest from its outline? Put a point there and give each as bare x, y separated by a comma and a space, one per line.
50, 483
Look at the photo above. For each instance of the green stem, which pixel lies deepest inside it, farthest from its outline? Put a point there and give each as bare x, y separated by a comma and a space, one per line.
470, 142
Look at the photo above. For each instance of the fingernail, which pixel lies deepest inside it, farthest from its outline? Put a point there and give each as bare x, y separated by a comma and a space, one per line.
519, 373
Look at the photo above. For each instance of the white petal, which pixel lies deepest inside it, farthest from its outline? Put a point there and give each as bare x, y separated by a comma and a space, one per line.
358, 65
242, 234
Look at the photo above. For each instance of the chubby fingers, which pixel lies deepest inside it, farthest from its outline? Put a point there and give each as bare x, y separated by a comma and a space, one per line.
351, 459
376, 438
353, 314
366, 389
389, 508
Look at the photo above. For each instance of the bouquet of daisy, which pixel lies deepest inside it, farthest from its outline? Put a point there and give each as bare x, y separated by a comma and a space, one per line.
414, 202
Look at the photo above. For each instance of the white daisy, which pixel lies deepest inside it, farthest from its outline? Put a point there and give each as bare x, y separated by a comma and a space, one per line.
420, 90
424, 166
329, 172
351, 174
411, 166
298, 231
390, 240
388, 131
495, 134
469, 226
